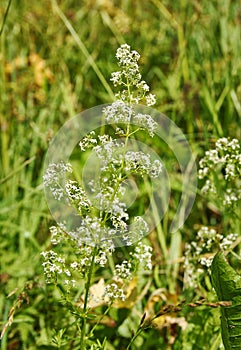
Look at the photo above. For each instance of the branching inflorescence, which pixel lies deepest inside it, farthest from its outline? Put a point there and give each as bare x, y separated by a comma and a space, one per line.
105, 220
221, 169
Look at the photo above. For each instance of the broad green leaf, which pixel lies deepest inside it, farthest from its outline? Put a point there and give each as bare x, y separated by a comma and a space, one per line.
227, 284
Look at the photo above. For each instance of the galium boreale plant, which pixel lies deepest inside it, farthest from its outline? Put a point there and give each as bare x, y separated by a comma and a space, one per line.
105, 220
220, 171
220, 168
198, 255
205, 264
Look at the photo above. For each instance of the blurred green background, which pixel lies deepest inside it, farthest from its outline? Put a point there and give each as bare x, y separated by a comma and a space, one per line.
56, 58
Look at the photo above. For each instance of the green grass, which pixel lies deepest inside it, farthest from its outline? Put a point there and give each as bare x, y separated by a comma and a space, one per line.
55, 61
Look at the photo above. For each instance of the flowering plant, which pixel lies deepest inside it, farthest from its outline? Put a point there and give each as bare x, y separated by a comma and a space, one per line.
221, 169
105, 220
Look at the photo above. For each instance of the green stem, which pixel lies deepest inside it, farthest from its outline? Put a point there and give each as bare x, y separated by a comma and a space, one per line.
134, 337
87, 288
120, 178
5, 16
142, 326
100, 319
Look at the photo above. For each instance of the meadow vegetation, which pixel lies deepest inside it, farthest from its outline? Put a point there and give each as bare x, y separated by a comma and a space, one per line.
56, 60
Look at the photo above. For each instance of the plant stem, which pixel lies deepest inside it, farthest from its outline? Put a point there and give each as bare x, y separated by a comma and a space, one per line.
87, 288
100, 319
134, 338
5, 16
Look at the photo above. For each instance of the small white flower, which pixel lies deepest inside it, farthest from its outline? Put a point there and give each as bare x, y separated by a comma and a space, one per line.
67, 272
116, 78
230, 197
113, 291
209, 187
230, 171
88, 141
150, 100
228, 241
143, 86
143, 254
74, 265
222, 144
123, 270
206, 261
101, 259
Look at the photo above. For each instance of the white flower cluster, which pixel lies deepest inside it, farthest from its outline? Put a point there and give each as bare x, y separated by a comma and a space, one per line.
141, 163
207, 237
91, 231
133, 88
226, 145
54, 266
138, 230
221, 169
133, 91
56, 234
140, 258
109, 203
123, 270
54, 177
113, 291
200, 251
207, 262
101, 258
110, 154
150, 100
120, 112
209, 188
77, 196
115, 165
66, 190
232, 196
146, 122
88, 141
104, 220
143, 253
57, 269
84, 255
228, 241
